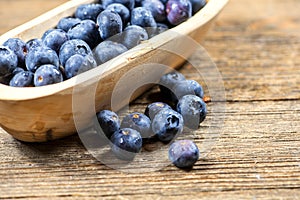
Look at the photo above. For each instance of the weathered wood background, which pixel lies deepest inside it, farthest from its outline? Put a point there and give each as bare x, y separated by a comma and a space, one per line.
256, 46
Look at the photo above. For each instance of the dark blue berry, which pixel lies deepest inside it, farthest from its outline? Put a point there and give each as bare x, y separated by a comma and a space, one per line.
142, 17
178, 11
184, 153
132, 36
22, 79
193, 110
108, 50
122, 10
78, 64
34, 43
47, 32
41, 56
158, 30
86, 30
182, 88
17, 70
46, 75
55, 39
109, 122
168, 81
128, 3
126, 143
67, 22
110, 24
19, 48
72, 47
167, 124
88, 11
153, 108
8, 63
197, 5
157, 8
139, 122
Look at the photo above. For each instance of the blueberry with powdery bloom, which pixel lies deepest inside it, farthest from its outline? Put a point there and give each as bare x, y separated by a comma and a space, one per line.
22, 79
19, 48
139, 122
46, 75
178, 11
67, 22
109, 23
142, 17
185, 87
197, 5
122, 10
128, 3
34, 43
88, 11
132, 36
183, 153
109, 122
157, 8
153, 108
167, 82
8, 63
78, 64
55, 39
108, 50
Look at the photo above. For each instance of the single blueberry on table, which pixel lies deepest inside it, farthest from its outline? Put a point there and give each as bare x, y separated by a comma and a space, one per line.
126, 143
128, 3
138, 122
8, 63
22, 79
46, 75
197, 5
34, 43
122, 10
109, 23
41, 56
66, 23
132, 36
78, 64
157, 8
142, 17
72, 47
178, 11
55, 39
167, 82
193, 110
87, 31
108, 50
88, 11
153, 108
19, 48
184, 153
167, 124
109, 122
182, 88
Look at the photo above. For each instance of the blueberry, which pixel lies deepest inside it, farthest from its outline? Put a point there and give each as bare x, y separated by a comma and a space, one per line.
132, 36
142, 17
126, 143
17, 70
86, 30
46, 75
88, 11
8, 63
67, 22
55, 39
22, 79
166, 124
110, 24
19, 48
41, 56
193, 109
122, 10
157, 8
184, 153
72, 47
34, 43
139, 122
197, 5
158, 30
47, 32
186, 87
128, 3
107, 50
153, 108
109, 122
178, 11
78, 64
168, 81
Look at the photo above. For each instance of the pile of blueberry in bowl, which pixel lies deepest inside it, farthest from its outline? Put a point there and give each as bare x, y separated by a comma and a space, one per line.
96, 33
161, 121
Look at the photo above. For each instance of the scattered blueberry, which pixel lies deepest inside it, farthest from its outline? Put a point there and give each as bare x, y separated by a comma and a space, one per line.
167, 124
132, 36
110, 24
108, 50
67, 22
153, 108
78, 64
8, 63
157, 8
142, 17
88, 11
168, 81
139, 122
109, 122
121, 10
72, 47
182, 88
22, 79
126, 143
178, 11
55, 39
19, 48
46, 75
197, 5
183, 153
193, 109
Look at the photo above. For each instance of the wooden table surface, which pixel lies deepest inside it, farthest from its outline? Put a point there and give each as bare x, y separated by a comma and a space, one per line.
256, 47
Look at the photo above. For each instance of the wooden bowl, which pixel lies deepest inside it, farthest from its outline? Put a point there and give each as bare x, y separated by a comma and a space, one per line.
39, 114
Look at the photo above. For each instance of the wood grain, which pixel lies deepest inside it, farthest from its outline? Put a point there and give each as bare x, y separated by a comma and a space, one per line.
257, 153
